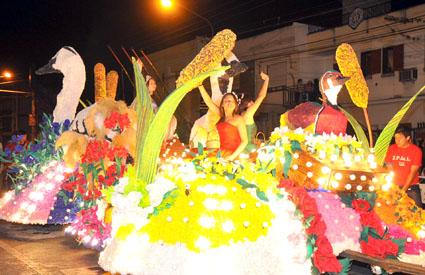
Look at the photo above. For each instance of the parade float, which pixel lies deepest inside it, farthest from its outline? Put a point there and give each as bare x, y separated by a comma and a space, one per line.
155, 207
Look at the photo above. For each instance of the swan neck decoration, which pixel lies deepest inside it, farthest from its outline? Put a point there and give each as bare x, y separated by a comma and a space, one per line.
68, 62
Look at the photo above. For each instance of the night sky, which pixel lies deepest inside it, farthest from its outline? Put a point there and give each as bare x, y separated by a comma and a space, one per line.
33, 30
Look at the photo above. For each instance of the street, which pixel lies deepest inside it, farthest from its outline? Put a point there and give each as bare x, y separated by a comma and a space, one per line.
60, 255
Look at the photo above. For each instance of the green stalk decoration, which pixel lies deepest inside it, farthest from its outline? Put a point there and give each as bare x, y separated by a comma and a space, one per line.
358, 130
151, 132
159, 126
144, 116
384, 139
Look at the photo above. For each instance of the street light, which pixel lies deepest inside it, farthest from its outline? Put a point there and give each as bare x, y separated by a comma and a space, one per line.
6, 74
167, 4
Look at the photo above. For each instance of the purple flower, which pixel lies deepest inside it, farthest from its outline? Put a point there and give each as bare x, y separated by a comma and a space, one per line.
19, 148
66, 124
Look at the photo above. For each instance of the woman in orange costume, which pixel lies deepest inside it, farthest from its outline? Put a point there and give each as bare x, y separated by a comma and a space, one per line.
231, 127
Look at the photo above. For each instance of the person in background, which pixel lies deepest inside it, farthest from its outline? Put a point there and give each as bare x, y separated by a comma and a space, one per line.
231, 127
405, 159
249, 108
152, 88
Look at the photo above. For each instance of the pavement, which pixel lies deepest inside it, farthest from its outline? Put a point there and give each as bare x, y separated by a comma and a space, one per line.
57, 256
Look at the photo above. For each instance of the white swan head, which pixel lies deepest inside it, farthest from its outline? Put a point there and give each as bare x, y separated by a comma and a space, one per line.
62, 62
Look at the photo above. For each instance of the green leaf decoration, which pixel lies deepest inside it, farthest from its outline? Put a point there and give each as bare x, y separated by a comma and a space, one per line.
145, 116
149, 146
346, 266
307, 222
295, 146
384, 139
261, 195
200, 149
358, 130
365, 234
288, 160
401, 245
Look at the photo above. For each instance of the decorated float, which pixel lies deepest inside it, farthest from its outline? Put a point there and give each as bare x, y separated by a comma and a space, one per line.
311, 198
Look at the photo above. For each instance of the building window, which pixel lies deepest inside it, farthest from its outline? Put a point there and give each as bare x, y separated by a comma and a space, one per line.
388, 60
371, 62
392, 59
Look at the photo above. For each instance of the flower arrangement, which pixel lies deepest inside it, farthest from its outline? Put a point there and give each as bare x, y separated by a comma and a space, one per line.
395, 207
374, 238
318, 245
101, 166
29, 160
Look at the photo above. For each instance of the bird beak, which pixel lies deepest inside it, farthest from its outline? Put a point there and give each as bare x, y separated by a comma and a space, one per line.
48, 68
342, 80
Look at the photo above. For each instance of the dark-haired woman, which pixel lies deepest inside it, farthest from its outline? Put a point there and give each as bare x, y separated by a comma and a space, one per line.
231, 127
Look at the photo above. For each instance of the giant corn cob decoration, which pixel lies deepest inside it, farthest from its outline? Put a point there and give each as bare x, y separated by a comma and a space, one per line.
99, 81
209, 57
356, 85
111, 84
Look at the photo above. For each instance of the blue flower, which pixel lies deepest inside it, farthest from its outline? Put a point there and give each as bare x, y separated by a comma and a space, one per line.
19, 148
56, 127
35, 147
8, 152
66, 124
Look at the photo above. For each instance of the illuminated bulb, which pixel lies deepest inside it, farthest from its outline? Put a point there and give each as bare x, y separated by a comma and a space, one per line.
357, 158
352, 177
228, 226
421, 234
373, 165
338, 176
334, 158
363, 177
309, 164
347, 163
185, 219
296, 155
378, 204
243, 205
191, 203
371, 188
322, 154
374, 180
321, 181
325, 170
371, 158
295, 167
246, 224
309, 174
335, 184
348, 186
359, 187
169, 219
258, 204
265, 224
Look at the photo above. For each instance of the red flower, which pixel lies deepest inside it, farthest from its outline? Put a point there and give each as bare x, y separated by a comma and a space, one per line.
117, 151
95, 151
116, 118
317, 226
379, 248
285, 183
323, 257
370, 219
361, 205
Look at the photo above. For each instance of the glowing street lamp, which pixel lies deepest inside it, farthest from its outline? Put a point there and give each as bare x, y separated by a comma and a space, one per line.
6, 74
167, 4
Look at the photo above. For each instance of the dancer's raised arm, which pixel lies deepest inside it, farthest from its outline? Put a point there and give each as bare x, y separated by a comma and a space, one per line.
207, 99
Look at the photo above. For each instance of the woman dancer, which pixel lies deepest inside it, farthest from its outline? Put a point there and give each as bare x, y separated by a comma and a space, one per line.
231, 127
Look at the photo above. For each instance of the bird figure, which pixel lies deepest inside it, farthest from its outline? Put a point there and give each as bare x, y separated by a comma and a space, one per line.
320, 118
